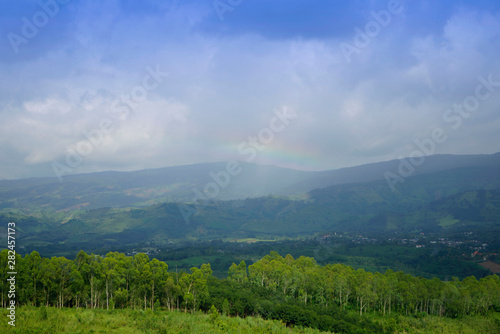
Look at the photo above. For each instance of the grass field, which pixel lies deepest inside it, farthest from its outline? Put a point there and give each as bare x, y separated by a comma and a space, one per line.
52, 320
448, 221
491, 266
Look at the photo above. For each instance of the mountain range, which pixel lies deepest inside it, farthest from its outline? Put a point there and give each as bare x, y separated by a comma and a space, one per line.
181, 183
211, 201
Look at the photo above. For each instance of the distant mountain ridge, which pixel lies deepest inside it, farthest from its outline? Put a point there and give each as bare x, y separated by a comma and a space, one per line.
449, 193
181, 183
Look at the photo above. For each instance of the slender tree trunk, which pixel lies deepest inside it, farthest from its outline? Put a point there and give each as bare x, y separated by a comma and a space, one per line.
92, 291
107, 296
111, 292
153, 296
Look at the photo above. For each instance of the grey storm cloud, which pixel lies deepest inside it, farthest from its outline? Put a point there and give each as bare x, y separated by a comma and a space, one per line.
222, 81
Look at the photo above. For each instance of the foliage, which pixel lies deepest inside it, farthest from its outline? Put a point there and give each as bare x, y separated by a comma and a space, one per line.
297, 292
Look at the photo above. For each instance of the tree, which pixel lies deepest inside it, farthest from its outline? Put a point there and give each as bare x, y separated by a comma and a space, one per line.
159, 275
33, 266
238, 273
143, 276
364, 289
194, 285
60, 270
77, 284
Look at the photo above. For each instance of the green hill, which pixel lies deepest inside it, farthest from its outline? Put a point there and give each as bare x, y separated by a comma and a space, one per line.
222, 181
456, 199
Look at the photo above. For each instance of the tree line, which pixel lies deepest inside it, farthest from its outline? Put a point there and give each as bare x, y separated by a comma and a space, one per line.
304, 280
119, 281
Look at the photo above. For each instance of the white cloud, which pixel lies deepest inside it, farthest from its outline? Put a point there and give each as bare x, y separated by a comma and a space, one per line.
49, 106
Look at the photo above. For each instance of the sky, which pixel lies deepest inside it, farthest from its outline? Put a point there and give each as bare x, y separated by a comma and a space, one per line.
125, 85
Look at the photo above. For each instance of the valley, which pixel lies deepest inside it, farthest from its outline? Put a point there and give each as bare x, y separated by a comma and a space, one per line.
449, 209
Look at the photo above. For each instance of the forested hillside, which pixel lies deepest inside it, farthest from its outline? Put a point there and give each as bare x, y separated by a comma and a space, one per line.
296, 291
246, 180
366, 208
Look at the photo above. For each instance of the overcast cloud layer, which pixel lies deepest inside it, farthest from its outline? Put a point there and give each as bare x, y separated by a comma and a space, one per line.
232, 66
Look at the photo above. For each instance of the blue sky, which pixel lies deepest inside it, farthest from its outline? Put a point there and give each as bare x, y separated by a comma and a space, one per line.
232, 66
